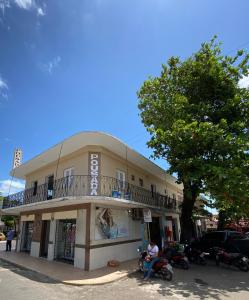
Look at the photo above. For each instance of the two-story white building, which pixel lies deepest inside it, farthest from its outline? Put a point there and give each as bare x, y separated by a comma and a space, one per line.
84, 201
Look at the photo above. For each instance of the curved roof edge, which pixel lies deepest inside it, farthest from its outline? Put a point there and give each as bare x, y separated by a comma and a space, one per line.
90, 138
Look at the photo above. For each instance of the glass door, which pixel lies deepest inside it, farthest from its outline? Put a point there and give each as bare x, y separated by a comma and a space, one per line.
65, 240
27, 236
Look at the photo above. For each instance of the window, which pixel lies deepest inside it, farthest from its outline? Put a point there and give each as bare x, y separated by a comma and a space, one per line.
68, 176
216, 235
153, 189
35, 184
133, 177
120, 175
236, 236
50, 186
141, 182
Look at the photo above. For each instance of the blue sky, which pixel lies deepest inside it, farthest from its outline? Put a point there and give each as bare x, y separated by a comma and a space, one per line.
68, 66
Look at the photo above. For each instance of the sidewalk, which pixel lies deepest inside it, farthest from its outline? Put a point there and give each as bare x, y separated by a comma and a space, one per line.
66, 273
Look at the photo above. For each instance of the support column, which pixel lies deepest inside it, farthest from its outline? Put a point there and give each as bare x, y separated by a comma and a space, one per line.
80, 239
36, 237
88, 238
51, 243
19, 236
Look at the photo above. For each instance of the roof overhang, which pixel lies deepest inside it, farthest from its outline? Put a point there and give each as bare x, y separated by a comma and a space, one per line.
90, 138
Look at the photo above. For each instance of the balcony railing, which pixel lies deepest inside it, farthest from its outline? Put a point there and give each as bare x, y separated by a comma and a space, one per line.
82, 185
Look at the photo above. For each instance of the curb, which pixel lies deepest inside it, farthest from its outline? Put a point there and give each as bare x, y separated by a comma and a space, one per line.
68, 282
28, 269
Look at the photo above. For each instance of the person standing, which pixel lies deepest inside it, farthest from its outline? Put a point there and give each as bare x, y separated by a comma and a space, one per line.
10, 236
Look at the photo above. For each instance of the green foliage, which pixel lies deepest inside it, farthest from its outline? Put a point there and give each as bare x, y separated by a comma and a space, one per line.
9, 221
198, 119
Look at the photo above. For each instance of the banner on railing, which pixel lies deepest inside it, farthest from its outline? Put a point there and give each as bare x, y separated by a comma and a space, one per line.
94, 172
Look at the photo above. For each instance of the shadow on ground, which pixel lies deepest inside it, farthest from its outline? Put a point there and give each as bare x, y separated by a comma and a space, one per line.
32, 275
203, 282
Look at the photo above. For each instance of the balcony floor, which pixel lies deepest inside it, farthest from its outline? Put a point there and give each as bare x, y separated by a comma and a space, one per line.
67, 201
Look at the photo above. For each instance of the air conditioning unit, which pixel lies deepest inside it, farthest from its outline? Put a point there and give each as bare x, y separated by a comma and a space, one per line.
137, 214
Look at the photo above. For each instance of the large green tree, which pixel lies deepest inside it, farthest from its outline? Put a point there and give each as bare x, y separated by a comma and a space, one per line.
198, 119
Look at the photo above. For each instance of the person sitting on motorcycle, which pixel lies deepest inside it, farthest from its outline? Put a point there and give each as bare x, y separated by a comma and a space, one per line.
152, 251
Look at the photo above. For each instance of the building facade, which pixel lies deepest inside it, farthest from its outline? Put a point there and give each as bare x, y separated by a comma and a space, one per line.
85, 201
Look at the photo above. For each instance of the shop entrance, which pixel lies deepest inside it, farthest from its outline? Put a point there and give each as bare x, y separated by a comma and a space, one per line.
44, 238
27, 236
65, 240
155, 232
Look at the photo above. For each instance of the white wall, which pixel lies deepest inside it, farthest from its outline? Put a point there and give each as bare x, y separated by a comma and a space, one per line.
100, 256
19, 239
79, 254
79, 258
35, 249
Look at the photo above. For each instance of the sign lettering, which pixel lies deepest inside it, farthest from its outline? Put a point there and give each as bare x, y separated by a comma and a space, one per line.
94, 171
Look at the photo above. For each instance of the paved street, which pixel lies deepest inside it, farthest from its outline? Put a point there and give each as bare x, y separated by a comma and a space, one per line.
199, 282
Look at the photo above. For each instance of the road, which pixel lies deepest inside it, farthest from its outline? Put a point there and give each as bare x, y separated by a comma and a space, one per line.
207, 282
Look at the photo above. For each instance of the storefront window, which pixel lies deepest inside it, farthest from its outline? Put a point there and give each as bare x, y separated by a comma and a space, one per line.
65, 240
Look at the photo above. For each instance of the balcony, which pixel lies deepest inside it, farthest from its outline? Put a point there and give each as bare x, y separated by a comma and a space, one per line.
82, 185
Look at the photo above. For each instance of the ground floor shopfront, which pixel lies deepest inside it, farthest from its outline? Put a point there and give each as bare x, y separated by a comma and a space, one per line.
89, 235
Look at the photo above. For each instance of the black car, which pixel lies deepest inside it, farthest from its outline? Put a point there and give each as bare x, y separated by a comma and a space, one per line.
231, 241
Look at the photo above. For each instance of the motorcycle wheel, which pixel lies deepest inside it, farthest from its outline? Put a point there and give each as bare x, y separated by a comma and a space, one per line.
217, 262
185, 265
243, 266
140, 265
202, 261
167, 275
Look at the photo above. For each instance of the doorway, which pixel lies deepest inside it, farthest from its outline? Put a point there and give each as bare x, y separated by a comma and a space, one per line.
65, 240
27, 236
50, 187
44, 238
155, 232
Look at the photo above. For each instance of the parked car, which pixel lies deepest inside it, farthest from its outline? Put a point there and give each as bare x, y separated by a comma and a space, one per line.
2, 237
232, 241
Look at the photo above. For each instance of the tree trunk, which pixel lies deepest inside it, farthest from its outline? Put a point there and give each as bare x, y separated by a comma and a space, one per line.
222, 220
190, 193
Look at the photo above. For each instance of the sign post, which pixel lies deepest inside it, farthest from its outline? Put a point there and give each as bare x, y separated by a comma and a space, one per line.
147, 220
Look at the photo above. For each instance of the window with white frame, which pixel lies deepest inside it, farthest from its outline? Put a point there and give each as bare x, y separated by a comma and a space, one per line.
68, 176
120, 175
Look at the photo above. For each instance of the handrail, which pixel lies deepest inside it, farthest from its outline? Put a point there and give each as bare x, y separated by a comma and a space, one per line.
80, 185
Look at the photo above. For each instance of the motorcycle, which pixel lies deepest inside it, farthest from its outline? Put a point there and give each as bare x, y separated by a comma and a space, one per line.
238, 260
195, 255
177, 259
162, 268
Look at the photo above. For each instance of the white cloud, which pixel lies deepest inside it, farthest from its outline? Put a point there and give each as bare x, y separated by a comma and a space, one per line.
3, 88
25, 4
4, 4
40, 12
51, 65
10, 187
244, 82
30, 4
